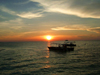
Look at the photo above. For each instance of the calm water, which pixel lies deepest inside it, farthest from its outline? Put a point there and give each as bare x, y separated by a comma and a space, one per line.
33, 58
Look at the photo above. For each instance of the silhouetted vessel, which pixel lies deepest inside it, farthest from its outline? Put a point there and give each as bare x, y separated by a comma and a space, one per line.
66, 46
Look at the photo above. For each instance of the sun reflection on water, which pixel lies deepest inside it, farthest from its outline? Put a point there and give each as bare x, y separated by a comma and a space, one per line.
47, 56
47, 66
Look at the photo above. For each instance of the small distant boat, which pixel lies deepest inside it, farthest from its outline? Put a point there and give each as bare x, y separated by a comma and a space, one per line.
66, 46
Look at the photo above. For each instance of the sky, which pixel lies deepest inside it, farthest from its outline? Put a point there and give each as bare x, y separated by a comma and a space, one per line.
31, 20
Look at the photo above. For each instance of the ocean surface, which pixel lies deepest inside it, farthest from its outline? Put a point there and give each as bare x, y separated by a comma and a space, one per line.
34, 58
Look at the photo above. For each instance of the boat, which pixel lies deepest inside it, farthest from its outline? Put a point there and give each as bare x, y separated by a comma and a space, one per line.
66, 46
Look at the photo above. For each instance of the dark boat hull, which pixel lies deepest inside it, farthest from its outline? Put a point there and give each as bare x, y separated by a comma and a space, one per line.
60, 49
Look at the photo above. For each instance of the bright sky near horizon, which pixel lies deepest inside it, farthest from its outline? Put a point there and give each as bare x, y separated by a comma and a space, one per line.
30, 20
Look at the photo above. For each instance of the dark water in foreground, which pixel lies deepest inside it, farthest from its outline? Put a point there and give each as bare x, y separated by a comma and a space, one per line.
33, 58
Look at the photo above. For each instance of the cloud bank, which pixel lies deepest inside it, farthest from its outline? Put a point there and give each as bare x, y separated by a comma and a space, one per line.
80, 8
78, 27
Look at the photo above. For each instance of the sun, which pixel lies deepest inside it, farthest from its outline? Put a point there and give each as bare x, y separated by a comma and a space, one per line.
48, 37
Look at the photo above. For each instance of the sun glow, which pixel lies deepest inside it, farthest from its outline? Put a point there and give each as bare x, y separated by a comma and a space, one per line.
48, 37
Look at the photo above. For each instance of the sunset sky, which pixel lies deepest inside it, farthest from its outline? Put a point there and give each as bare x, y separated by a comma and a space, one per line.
31, 20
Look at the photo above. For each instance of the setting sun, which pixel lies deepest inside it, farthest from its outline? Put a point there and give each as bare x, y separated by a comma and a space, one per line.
48, 37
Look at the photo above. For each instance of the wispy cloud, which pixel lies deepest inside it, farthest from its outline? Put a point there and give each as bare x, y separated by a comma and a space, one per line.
4, 9
71, 27
30, 15
81, 8
12, 28
11, 24
2, 17
78, 27
96, 29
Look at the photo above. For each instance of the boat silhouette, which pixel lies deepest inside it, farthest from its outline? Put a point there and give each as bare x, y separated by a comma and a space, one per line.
66, 46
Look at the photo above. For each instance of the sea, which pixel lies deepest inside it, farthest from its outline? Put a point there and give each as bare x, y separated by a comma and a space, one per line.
34, 58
